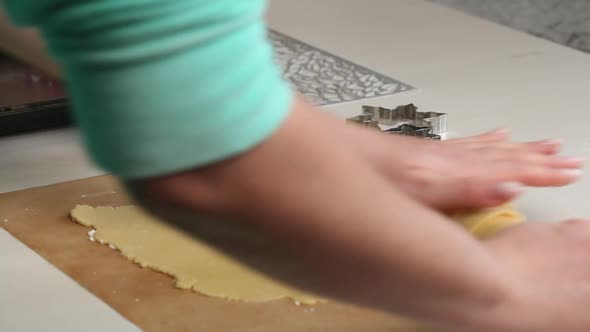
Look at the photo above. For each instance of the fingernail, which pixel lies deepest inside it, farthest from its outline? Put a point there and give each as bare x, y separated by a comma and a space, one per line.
509, 189
574, 173
503, 131
574, 160
553, 142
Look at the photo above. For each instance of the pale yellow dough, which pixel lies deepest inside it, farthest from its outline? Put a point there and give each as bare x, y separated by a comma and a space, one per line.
487, 222
155, 245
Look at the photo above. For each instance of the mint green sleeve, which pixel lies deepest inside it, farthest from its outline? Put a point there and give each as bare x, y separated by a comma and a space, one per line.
163, 86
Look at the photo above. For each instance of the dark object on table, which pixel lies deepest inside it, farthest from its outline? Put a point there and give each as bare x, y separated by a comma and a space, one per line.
29, 100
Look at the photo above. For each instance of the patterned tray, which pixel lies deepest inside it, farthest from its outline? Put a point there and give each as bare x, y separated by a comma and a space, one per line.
325, 78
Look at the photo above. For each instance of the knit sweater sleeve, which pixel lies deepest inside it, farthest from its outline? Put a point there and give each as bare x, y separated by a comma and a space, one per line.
163, 86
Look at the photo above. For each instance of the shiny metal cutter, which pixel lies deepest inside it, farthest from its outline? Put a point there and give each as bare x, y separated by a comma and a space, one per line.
410, 130
403, 120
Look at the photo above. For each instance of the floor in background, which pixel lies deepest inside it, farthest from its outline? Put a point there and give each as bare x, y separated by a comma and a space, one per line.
566, 22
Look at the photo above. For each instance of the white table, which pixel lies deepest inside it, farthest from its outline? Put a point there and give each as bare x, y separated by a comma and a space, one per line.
482, 74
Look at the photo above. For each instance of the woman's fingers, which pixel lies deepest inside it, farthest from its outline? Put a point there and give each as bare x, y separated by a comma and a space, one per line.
491, 136
478, 171
537, 159
498, 140
486, 193
470, 192
556, 161
538, 175
502, 183
548, 146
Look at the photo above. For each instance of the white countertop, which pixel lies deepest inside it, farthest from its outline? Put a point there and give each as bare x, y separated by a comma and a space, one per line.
482, 74
37, 296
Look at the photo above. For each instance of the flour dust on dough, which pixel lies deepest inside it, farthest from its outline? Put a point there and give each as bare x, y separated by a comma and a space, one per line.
198, 267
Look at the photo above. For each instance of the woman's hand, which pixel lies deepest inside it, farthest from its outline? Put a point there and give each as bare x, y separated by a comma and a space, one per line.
550, 266
480, 171
306, 208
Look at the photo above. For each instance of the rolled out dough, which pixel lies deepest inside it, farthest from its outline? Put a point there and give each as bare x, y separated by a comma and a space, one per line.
196, 266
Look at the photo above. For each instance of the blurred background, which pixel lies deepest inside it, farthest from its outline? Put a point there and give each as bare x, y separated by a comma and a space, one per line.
31, 100
566, 22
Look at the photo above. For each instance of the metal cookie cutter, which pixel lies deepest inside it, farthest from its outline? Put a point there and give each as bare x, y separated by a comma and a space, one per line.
411, 130
404, 120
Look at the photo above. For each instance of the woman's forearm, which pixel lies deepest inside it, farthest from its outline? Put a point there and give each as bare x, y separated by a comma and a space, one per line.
298, 204
304, 209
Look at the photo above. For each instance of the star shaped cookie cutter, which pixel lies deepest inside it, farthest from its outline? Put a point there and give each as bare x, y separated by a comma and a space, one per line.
411, 130
403, 120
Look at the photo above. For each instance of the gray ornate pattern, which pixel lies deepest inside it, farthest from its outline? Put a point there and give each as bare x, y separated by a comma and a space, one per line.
324, 78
